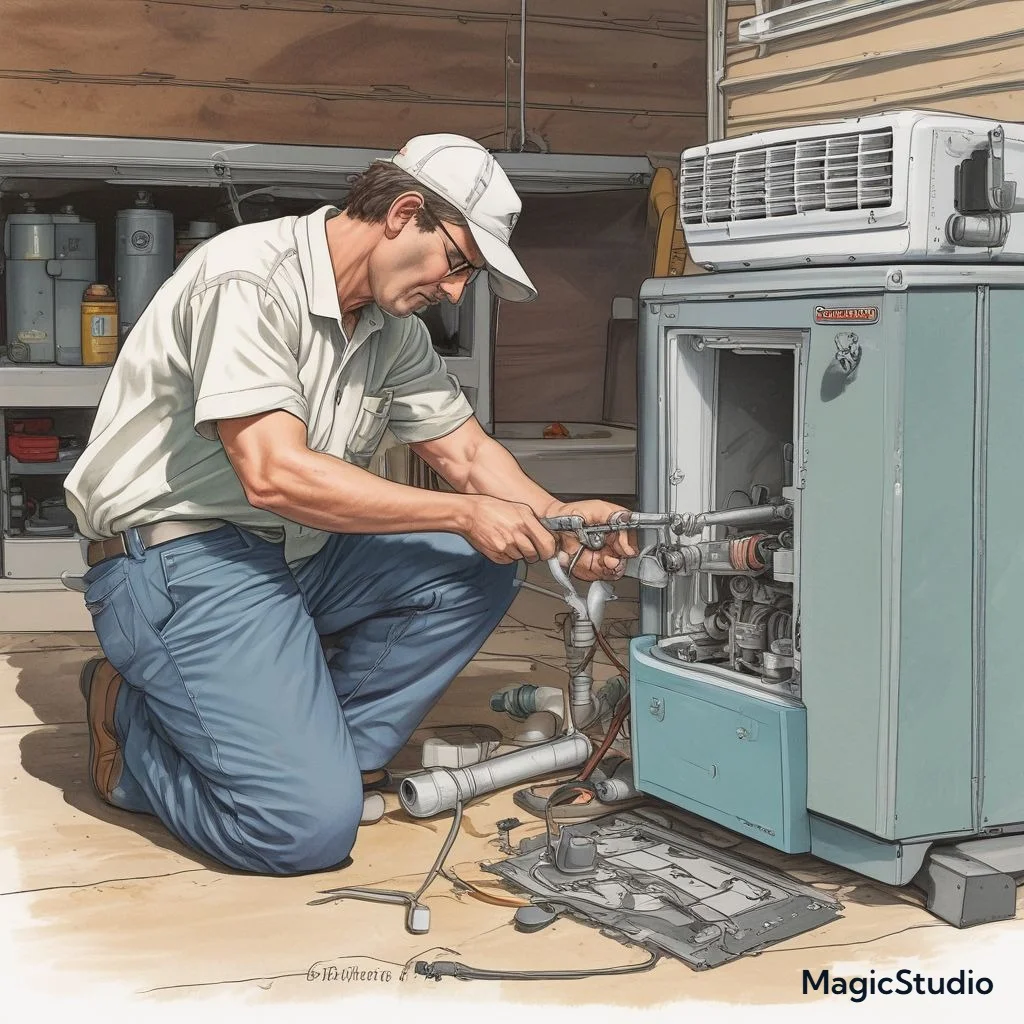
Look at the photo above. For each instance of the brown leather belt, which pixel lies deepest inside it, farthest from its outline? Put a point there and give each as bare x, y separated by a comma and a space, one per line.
151, 536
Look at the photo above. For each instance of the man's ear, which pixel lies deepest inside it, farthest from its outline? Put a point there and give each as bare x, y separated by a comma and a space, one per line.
401, 212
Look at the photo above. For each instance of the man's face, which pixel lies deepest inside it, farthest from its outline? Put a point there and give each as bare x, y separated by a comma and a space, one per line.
412, 269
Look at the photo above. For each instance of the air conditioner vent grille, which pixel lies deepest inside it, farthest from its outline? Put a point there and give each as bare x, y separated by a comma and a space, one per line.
838, 172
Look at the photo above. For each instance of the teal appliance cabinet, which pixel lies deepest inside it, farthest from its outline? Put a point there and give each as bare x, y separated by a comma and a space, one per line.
845, 679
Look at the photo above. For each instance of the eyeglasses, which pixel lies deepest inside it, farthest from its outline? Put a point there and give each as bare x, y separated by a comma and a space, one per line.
464, 264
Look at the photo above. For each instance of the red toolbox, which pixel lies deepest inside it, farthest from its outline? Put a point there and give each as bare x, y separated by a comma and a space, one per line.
30, 425
34, 447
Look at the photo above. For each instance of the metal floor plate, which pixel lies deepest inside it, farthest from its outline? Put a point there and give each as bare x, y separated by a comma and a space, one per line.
639, 877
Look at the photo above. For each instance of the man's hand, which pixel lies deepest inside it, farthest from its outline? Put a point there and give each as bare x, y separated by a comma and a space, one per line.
505, 531
610, 562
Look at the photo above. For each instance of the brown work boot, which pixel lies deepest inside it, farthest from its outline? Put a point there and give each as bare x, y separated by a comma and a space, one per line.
100, 683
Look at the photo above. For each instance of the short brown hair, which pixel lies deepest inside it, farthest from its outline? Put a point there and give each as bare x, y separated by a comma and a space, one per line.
373, 192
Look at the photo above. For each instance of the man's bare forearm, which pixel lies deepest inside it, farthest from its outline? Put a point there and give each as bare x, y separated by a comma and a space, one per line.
329, 494
488, 468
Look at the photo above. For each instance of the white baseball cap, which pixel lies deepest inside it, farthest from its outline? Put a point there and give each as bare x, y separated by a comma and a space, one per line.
462, 172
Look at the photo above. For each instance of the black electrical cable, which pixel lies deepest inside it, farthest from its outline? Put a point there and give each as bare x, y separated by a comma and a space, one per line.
453, 969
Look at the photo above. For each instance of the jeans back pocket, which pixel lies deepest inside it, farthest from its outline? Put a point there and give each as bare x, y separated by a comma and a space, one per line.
112, 608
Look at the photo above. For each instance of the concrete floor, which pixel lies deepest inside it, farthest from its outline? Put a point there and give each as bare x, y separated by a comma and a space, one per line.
97, 900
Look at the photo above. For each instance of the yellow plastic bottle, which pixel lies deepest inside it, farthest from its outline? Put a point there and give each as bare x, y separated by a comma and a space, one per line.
99, 326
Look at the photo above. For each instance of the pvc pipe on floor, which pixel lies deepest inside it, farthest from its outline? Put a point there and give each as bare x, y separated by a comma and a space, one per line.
438, 790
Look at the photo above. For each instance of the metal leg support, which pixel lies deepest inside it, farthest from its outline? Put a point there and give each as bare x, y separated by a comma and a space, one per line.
964, 890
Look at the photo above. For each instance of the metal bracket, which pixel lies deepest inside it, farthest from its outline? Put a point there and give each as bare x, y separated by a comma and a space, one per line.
965, 891
1002, 192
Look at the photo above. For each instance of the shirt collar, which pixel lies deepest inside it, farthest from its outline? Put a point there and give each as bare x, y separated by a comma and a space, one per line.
318, 274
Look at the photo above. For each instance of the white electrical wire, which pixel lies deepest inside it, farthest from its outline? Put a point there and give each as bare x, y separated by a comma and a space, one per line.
416, 912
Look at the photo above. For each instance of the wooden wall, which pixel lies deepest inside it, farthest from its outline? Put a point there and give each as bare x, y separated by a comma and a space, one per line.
965, 56
602, 76
581, 251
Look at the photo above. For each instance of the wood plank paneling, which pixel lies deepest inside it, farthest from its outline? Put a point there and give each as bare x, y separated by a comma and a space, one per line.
679, 18
616, 77
956, 28
228, 115
954, 55
581, 250
928, 84
619, 78
734, 14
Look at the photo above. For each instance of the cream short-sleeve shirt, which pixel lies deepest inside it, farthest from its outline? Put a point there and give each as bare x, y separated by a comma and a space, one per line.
250, 322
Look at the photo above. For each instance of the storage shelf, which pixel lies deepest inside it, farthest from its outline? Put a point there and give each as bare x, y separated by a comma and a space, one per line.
43, 556
31, 538
58, 387
29, 586
59, 467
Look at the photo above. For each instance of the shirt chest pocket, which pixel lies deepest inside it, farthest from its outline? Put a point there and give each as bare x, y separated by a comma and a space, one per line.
372, 421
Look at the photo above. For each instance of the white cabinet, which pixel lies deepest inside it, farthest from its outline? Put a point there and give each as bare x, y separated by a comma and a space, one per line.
32, 557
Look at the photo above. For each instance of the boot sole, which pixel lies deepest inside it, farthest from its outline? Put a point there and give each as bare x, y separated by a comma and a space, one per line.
373, 809
104, 750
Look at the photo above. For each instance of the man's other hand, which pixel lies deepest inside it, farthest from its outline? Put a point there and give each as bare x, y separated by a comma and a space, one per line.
610, 562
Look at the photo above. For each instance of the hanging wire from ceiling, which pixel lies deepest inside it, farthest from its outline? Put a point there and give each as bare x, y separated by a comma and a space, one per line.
522, 77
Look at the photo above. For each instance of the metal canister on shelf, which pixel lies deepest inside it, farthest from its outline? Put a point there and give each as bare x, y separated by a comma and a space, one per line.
144, 258
28, 251
99, 326
50, 259
187, 239
75, 245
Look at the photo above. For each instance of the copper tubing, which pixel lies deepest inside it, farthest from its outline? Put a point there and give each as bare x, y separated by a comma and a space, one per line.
620, 716
611, 655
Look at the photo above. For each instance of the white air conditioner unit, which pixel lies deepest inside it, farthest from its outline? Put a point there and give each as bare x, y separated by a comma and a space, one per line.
913, 185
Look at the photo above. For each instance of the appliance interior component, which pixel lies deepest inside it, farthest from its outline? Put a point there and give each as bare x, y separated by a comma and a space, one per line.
730, 575
644, 881
912, 185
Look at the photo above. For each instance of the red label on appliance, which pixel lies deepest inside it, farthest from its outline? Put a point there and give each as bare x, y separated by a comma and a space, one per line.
846, 315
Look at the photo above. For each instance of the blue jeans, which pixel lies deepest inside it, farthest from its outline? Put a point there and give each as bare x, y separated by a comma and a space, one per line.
236, 731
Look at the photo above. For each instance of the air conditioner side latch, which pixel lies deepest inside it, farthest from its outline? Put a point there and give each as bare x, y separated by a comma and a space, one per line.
983, 196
